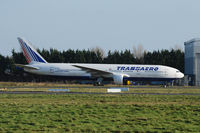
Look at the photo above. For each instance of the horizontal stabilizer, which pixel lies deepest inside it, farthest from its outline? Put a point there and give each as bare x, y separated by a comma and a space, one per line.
27, 66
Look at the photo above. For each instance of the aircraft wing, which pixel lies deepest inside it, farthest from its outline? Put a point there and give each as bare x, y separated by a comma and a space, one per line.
27, 66
94, 72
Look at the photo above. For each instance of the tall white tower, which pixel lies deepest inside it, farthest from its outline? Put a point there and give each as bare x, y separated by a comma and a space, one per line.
192, 61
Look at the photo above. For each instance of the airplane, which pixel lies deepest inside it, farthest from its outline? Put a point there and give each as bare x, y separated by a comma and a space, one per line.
119, 73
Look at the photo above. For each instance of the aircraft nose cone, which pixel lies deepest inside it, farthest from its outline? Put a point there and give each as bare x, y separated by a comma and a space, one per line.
181, 75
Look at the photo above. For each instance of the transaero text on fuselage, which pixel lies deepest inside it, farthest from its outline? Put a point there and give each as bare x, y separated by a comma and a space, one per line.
127, 68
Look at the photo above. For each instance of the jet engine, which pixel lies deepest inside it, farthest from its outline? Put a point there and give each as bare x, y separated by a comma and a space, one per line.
119, 78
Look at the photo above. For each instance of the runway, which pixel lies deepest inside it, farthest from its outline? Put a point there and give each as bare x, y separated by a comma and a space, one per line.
64, 90
86, 87
62, 93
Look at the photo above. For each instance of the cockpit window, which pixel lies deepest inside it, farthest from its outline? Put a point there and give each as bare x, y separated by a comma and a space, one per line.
178, 71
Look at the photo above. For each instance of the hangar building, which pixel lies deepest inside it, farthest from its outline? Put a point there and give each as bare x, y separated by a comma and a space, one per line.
192, 62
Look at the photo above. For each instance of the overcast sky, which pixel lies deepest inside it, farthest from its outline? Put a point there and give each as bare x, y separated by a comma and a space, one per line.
109, 24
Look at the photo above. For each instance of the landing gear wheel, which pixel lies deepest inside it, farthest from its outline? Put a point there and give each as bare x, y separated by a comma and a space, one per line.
99, 82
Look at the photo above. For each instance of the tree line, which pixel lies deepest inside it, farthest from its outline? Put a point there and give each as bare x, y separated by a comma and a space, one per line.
8, 71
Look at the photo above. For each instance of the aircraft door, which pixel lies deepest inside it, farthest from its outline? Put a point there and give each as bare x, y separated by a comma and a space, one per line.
166, 72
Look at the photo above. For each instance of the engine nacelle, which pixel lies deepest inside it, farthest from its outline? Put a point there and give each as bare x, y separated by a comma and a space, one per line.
119, 78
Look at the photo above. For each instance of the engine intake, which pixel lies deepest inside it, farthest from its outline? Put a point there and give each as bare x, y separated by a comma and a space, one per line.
119, 78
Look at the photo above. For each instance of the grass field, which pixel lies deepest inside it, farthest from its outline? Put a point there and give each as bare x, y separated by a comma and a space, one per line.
100, 113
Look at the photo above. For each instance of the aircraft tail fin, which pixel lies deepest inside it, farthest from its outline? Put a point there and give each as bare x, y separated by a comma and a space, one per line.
30, 53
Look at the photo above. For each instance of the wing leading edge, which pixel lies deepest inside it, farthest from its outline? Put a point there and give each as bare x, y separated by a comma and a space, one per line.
94, 72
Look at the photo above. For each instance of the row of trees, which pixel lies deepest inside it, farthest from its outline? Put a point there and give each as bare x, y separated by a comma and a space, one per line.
8, 71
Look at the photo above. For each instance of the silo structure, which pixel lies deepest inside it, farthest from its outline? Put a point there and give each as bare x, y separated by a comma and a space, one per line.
192, 61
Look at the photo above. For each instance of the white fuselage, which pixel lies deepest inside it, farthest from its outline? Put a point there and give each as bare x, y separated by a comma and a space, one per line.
119, 73
153, 72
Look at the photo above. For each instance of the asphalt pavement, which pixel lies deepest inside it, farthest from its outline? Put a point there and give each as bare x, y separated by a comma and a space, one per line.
51, 92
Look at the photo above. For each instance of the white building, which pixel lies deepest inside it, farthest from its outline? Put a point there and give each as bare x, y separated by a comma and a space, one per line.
192, 62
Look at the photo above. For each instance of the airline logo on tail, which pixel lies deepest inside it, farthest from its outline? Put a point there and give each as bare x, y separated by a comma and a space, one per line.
30, 53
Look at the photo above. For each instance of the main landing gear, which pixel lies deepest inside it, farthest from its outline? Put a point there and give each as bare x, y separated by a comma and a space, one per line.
99, 82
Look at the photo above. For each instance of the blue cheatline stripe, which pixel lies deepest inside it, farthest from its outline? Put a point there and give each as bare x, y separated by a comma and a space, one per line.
148, 79
28, 51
